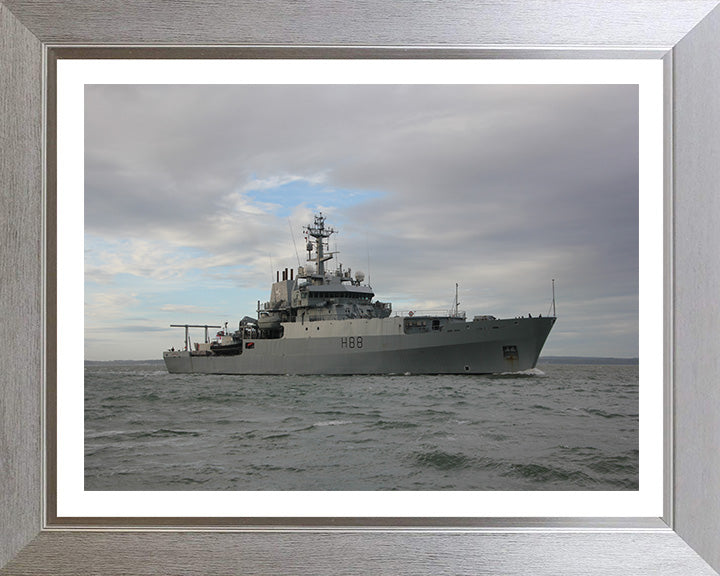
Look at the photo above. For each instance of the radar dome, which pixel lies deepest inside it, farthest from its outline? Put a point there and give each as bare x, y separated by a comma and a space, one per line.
359, 276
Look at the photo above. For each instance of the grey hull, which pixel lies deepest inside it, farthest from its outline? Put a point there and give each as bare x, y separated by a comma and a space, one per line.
370, 347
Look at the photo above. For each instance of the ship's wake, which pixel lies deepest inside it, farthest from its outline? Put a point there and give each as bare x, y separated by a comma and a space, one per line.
530, 372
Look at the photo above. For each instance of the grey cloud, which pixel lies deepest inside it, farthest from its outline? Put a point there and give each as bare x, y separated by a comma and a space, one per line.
501, 187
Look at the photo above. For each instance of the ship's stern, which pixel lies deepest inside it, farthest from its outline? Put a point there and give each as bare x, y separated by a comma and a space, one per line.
177, 361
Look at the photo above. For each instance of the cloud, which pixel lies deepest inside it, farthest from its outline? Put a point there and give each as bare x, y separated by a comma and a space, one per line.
500, 188
186, 308
128, 328
279, 180
109, 305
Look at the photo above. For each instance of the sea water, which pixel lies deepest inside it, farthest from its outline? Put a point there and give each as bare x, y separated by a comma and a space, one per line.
558, 427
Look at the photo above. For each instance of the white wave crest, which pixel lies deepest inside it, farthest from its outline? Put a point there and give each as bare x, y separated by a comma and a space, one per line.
332, 423
528, 372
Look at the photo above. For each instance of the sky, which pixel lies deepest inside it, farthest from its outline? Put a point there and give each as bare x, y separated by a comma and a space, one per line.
195, 195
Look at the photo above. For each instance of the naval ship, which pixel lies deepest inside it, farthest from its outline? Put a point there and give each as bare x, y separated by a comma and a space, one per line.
321, 321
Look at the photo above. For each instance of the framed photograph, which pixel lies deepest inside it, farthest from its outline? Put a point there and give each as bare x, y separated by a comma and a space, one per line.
374, 399
629, 108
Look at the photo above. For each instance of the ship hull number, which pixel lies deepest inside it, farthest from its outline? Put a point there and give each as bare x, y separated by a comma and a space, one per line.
351, 342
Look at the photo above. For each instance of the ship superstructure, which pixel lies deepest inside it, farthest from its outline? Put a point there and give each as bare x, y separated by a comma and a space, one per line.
326, 322
317, 295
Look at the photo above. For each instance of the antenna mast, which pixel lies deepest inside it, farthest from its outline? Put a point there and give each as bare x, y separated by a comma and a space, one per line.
367, 247
294, 244
553, 301
319, 232
457, 304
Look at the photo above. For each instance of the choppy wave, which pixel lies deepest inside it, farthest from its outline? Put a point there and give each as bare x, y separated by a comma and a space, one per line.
277, 436
603, 413
392, 425
550, 475
529, 373
555, 428
442, 460
332, 423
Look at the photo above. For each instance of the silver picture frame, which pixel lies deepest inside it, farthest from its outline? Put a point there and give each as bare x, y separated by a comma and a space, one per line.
685, 34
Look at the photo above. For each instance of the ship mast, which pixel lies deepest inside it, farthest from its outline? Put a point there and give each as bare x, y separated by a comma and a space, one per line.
457, 304
319, 233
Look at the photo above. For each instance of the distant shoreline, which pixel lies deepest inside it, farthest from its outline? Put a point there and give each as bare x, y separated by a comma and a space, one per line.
542, 360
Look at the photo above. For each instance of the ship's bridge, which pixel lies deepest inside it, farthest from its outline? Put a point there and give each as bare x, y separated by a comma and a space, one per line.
336, 297
340, 291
